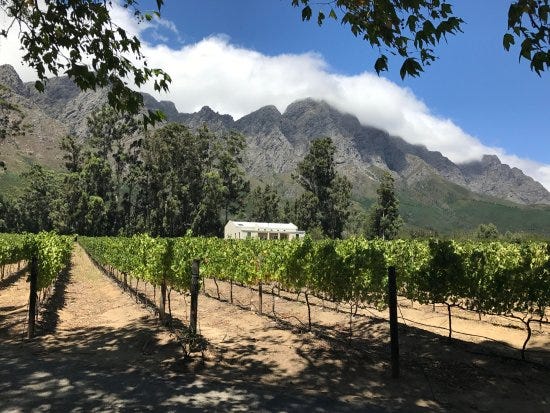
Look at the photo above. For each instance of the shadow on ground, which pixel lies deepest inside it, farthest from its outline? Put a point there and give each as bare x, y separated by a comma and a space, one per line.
49, 314
123, 369
127, 369
134, 368
12, 278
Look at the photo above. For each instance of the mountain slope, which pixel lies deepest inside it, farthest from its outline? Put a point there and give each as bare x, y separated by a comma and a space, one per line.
278, 141
434, 191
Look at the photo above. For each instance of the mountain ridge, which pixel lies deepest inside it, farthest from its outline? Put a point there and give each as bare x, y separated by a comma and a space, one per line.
361, 146
277, 141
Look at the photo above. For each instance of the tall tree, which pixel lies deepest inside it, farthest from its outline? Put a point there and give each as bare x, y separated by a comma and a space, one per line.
173, 159
86, 203
108, 131
265, 204
69, 210
9, 216
38, 197
73, 155
230, 149
112, 141
189, 181
206, 217
326, 200
384, 219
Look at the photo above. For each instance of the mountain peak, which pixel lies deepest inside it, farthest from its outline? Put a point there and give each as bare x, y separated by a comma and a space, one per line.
302, 106
490, 160
207, 111
265, 113
10, 79
269, 110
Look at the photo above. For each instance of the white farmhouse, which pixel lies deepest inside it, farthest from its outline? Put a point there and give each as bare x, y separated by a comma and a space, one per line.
262, 230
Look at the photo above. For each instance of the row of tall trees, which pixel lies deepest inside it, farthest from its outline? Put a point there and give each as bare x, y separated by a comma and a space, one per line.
176, 180
168, 183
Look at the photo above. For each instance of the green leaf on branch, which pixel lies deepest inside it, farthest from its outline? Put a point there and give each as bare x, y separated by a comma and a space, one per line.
381, 64
39, 86
306, 13
320, 18
507, 41
410, 67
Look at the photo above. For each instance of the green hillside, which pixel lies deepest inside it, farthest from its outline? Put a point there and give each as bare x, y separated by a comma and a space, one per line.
450, 209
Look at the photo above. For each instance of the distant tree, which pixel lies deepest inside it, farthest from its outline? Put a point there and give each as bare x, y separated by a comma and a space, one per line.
384, 220
337, 208
306, 211
487, 232
69, 210
73, 155
266, 204
229, 153
174, 160
110, 136
9, 216
423, 233
326, 200
288, 214
108, 131
86, 203
206, 217
96, 216
97, 178
38, 197
188, 181
356, 224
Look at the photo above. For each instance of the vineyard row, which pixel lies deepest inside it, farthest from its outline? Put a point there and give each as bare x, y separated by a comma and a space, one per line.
498, 278
50, 251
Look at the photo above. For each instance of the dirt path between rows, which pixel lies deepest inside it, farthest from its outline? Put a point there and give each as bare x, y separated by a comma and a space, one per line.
101, 351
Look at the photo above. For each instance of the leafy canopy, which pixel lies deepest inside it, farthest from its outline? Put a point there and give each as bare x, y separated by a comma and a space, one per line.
384, 220
78, 38
528, 23
411, 29
326, 198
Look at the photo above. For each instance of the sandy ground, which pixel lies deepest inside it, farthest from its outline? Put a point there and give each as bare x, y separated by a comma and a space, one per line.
99, 350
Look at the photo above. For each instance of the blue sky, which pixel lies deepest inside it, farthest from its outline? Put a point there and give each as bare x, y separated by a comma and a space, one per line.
239, 55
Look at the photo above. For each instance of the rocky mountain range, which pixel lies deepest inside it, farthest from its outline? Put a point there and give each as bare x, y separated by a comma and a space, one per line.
276, 142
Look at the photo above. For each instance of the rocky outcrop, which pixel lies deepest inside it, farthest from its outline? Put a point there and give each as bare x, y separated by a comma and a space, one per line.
10, 79
277, 142
215, 121
491, 176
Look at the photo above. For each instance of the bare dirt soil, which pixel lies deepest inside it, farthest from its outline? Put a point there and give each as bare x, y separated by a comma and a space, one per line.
99, 350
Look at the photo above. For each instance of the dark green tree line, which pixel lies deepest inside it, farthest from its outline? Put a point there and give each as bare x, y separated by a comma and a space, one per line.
166, 183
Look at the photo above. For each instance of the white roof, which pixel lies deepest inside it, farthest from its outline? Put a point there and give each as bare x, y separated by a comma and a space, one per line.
264, 226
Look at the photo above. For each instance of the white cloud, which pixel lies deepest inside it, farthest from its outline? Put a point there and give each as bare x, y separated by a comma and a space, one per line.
232, 79
235, 80
10, 50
